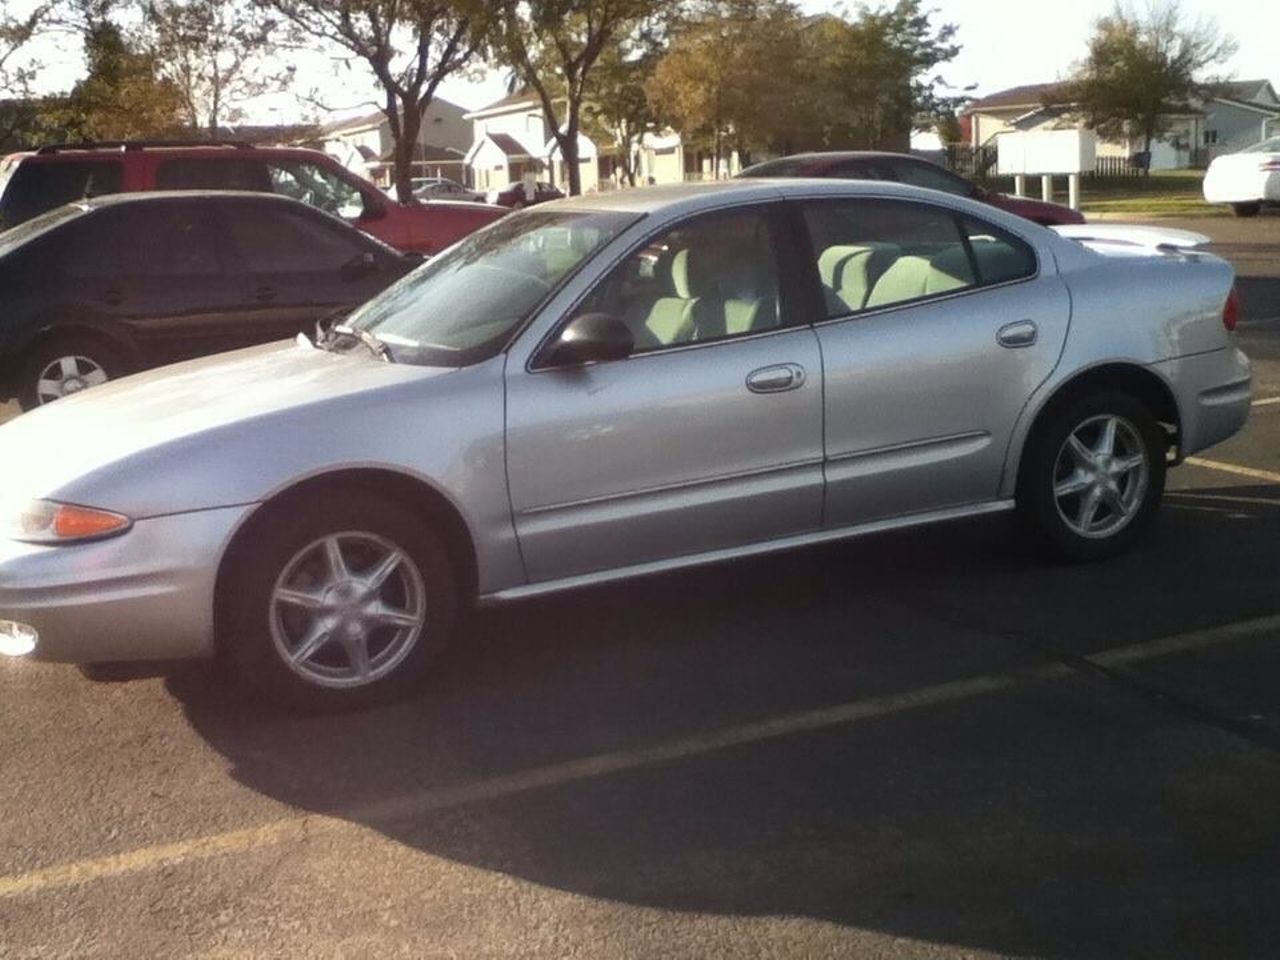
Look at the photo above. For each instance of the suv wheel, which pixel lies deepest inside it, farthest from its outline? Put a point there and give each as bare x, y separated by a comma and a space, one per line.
1093, 476
62, 366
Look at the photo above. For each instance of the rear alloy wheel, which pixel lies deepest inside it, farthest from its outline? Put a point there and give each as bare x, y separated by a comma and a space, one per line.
1246, 209
62, 367
337, 606
1093, 477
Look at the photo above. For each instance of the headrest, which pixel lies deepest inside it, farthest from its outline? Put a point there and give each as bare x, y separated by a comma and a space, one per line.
690, 274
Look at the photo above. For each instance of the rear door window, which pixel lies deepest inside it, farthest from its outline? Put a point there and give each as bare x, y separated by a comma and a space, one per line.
172, 239
920, 174
37, 187
269, 240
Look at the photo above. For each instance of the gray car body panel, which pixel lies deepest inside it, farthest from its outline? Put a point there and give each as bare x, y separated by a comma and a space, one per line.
506, 443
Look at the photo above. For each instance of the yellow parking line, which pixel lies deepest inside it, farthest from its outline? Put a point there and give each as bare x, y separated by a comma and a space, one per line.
287, 829
1252, 472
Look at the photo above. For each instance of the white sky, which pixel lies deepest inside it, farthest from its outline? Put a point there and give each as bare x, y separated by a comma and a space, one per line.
1005, 43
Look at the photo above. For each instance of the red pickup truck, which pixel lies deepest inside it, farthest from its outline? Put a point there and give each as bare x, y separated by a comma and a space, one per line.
34, 182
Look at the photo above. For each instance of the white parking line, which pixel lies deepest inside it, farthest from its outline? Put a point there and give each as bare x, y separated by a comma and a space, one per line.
1252, 472
288, 829
1266, 401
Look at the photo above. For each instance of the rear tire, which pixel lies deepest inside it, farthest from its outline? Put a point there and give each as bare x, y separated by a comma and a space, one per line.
1092, 476
63, 365
1246, 209
337, 605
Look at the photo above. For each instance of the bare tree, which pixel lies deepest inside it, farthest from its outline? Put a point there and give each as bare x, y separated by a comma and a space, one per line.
409, 45
216, 52
553, 45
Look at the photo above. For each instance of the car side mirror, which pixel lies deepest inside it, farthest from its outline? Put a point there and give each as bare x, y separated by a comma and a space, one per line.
591, 337
374, 209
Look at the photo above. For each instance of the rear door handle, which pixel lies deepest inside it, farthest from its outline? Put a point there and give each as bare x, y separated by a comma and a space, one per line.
1023, 333
265, 293
112, 297
776, 379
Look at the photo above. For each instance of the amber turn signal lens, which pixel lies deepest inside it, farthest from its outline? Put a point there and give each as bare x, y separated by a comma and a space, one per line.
78, 523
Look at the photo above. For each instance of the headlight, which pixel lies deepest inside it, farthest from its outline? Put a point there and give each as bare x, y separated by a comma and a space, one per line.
43, 521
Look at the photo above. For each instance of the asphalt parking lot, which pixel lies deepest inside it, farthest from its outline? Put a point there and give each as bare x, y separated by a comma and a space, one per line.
929, 744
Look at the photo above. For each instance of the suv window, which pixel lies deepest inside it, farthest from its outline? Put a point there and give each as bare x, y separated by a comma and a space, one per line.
920, 174
864, 169
37, 187
212, 173
267, 239
318, 187
713, 277
90, 247
876, 253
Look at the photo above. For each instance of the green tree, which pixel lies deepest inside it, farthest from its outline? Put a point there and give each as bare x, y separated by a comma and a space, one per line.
409, 45
553, 47
732, 76
122, 95
1142, 68
17, 113
216, 53
875, 77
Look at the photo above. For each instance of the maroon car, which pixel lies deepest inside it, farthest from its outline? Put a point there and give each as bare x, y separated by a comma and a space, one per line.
901, 168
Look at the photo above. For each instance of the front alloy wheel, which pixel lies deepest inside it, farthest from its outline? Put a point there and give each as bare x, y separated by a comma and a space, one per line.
335, 600
347, 610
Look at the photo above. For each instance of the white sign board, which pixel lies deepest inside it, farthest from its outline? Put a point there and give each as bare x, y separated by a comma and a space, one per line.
1047, 151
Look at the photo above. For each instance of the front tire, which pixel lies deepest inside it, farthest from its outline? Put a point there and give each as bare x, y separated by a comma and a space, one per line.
337, 604
1246, 209
1092, 476
64, 365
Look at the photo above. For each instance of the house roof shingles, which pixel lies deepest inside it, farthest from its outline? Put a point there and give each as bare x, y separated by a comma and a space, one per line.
1027, 95
508, 144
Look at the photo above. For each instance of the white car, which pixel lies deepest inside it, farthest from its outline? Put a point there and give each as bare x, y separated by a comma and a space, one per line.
1248, 180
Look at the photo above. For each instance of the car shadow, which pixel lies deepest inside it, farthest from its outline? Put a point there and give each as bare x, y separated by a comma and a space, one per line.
1058, 817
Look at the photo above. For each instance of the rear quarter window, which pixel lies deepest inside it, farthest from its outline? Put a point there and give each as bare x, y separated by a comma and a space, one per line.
1000, 257
35, 187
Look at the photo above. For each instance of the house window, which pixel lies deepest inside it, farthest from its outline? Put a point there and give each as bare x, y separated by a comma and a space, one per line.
1210, 137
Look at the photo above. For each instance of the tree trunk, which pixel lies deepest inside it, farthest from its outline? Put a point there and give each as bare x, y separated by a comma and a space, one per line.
410, 124
569, 151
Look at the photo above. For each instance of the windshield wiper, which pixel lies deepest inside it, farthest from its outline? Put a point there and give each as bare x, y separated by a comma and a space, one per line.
370, 340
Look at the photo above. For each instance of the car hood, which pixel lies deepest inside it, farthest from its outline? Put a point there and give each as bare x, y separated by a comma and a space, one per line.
49, 449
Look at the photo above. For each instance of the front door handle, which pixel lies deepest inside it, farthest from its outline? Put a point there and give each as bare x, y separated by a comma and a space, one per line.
1020, 334
264, 294
112, 298
776, 379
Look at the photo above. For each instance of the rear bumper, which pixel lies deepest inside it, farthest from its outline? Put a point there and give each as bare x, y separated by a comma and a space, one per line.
1214, 391
145, 595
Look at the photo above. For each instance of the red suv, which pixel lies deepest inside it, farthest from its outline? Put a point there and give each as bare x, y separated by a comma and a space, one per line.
902, 168
32, 183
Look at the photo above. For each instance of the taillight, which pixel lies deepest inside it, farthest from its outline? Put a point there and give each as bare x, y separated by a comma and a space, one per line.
1231, 312
1270, 166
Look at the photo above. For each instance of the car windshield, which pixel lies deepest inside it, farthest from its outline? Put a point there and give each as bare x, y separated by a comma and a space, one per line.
15, 237
463, 306
1266, 146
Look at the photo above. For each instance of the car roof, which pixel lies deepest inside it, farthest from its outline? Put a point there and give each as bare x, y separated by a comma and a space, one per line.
170, 196
688, 197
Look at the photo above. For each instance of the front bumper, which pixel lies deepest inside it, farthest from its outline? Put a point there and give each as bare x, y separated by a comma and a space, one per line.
144, 595
1214, 394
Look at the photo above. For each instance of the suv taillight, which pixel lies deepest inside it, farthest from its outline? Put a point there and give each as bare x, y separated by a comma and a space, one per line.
1231, 312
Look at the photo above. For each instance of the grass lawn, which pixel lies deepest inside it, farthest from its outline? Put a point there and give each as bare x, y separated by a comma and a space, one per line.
1173, 193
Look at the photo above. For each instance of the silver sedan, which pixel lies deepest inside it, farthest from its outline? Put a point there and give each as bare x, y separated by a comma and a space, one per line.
607, 387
